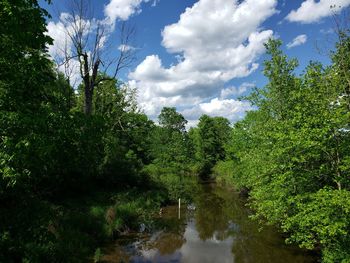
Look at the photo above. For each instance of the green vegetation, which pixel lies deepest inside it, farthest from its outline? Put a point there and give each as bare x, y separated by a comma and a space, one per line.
209, 139
293, 152
73, 179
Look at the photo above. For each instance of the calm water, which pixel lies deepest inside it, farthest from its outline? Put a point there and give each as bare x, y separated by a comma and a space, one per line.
218, 230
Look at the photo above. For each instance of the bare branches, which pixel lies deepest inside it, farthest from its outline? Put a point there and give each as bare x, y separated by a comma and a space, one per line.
127, 52
126, 56
89, 37
87, 49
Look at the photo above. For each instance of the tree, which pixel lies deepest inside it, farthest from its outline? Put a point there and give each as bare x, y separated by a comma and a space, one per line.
340, 57
292, 153
26, 101
172, 120
170, 139
210, 140
89, 40
25, 78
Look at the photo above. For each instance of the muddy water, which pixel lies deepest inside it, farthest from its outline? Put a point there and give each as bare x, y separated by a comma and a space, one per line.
215, 229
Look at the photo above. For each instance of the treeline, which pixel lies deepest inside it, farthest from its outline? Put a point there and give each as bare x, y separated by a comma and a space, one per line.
293, 154
71, 180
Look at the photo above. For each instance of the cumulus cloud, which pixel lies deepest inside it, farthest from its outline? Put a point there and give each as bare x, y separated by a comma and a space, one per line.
57, 31
124, 9
299, 40
115, 10
214, 42
231, 109
312, 11
62, 30
121, 9
235, 91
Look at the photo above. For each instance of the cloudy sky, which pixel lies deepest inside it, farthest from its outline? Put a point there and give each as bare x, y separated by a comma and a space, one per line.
200, 56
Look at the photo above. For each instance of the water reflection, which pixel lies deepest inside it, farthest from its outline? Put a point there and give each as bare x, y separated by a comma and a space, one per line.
213, 249
217, 231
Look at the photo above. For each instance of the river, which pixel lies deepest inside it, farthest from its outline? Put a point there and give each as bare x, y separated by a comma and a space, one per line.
215, 229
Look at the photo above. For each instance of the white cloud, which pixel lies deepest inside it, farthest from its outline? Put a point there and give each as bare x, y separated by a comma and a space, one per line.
72, 71
299, 40
327, 31
231, 109
58, 31
235, 91
123, 9
312, 11
155, 2
124, 48
214, 42
61, 32
116, 9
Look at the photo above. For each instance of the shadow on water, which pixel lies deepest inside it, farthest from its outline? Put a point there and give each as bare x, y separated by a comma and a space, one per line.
217, 230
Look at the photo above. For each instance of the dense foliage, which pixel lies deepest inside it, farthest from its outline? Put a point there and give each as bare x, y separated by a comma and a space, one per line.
209, 140
293, 152
69, 181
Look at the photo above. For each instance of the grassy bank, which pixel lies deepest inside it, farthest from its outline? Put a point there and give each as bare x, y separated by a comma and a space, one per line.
93, 221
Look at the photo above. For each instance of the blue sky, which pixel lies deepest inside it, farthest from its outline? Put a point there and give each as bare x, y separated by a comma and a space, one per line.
200, 56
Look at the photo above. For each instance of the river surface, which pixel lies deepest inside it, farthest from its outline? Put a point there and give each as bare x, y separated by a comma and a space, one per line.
215, 229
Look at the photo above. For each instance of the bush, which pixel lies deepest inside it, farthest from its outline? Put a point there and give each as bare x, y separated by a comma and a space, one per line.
223, 172
322, 219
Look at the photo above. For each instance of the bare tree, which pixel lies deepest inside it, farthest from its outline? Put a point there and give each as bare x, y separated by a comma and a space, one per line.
88, 48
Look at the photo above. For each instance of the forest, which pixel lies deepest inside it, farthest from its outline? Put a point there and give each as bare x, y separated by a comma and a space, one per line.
74, 175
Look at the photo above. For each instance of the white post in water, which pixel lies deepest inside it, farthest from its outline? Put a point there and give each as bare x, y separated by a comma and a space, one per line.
179, 207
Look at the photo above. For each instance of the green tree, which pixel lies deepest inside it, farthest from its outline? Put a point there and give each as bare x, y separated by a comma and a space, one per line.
210, 139
170, 151
291, 153
25, 78
172, 120
170, 139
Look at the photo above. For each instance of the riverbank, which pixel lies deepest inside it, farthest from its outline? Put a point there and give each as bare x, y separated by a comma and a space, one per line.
80, 226
218, 229
83, 224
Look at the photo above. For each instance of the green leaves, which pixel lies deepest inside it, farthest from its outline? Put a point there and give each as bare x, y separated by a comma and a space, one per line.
321, 218
292, 153
210, 139
172, 120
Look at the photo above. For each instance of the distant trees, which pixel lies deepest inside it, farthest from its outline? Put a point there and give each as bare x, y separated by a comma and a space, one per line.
170, 139
210, 138
172, 120
292, 153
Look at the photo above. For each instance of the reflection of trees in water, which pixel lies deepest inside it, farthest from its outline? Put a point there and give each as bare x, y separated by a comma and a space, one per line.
171, 232
167, 243
260, 250
214, 213
221, 213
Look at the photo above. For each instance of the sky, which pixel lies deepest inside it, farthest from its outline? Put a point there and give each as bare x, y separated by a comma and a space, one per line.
201, 56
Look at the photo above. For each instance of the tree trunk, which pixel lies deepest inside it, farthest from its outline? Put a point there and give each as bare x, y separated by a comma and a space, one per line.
88, 99
88, 103
89, 82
